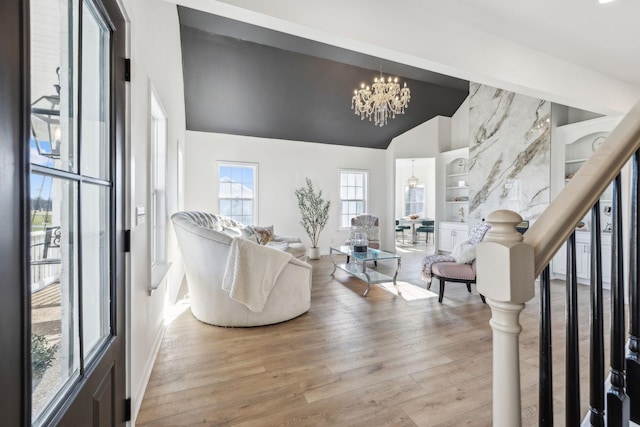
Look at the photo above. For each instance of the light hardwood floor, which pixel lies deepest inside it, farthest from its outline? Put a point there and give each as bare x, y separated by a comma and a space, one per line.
351, 361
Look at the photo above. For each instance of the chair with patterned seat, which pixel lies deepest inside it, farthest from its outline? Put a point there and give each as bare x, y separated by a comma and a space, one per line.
454, 272
367, 224
459, 266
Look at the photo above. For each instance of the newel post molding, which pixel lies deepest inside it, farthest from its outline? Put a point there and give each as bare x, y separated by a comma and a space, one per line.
505, 276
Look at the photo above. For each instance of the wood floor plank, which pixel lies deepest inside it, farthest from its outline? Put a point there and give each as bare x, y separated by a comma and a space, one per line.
334, 384
361, 405
385, 417
352, 361
440, 406
227, 398
475, 417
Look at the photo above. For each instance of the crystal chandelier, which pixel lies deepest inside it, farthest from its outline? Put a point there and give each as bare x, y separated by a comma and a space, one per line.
381, 100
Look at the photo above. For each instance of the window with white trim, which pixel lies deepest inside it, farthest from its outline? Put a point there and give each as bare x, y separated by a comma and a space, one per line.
237, 191
157, 206
353, 195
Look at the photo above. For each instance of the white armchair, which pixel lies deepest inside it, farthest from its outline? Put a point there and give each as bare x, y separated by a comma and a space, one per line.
205, 247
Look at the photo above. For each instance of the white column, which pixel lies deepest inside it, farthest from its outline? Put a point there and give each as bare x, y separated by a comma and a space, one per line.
505, 276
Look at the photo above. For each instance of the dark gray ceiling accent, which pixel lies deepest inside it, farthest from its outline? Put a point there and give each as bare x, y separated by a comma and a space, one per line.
246, 80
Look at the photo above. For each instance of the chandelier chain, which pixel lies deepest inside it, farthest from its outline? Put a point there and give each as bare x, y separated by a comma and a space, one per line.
413, 181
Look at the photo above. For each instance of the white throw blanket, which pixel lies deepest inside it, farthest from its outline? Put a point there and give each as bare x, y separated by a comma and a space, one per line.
251, 272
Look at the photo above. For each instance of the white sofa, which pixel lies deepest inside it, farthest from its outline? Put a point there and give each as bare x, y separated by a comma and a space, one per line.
205, 243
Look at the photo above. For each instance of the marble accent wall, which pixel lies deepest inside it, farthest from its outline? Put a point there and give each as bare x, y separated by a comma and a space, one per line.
509, 153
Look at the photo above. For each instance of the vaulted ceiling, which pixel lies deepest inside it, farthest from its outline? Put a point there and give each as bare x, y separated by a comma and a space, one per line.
604, 38
577, 52
247, 80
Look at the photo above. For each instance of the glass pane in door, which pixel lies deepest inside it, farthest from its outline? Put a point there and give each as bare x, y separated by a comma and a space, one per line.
52, 138
55, 341
95, 95
95, 195
54, 289
95, 266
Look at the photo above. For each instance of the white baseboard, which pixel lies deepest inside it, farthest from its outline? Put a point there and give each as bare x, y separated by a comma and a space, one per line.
136, 398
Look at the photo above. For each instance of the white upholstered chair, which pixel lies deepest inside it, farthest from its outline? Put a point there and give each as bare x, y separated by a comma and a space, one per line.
205, 248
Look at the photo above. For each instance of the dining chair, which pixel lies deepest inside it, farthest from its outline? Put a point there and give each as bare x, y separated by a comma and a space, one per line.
400, 229
427, 227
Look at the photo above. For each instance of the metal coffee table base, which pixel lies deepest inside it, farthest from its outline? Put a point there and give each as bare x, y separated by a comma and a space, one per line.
358, 265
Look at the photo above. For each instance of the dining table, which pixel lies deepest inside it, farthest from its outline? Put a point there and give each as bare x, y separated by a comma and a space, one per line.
412, 223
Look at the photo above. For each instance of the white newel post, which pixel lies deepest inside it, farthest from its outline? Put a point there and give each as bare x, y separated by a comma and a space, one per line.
505, 276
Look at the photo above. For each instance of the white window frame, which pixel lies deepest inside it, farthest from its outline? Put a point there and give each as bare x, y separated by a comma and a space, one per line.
158, 141
345, 223
254, 199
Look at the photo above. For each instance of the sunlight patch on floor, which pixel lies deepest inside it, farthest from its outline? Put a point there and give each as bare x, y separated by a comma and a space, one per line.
408, 291
413, 248
176, 310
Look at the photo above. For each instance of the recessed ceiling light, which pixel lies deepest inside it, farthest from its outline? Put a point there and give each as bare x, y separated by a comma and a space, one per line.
605, 1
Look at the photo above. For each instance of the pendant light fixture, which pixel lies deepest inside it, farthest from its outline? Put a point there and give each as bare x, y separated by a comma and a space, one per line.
413, 181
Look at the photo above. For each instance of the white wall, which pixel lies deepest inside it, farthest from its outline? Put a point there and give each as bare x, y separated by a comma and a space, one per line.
155, 61
424, 141
283, 167
460, 126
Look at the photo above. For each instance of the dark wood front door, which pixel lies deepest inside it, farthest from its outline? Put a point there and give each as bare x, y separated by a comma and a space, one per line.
62, 285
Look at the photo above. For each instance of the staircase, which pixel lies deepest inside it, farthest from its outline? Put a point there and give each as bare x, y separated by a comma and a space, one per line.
509, 263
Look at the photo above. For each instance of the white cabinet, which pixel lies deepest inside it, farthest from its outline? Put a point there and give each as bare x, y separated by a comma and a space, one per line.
450, 234
583, 259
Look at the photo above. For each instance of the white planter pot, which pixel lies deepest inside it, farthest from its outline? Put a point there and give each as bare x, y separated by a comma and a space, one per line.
314, 253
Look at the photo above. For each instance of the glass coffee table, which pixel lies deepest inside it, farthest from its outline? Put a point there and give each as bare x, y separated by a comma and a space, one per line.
358, 265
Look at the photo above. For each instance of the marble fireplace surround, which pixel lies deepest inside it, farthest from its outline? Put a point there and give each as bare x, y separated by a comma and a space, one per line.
509, 153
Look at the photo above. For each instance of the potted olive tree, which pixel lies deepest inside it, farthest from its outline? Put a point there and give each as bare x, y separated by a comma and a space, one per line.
315, 213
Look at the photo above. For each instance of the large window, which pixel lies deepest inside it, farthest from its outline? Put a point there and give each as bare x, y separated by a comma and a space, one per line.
353, 195
237, 191
414, 200
158, 214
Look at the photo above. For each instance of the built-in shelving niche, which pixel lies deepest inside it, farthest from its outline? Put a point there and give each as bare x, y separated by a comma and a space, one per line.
577, 142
